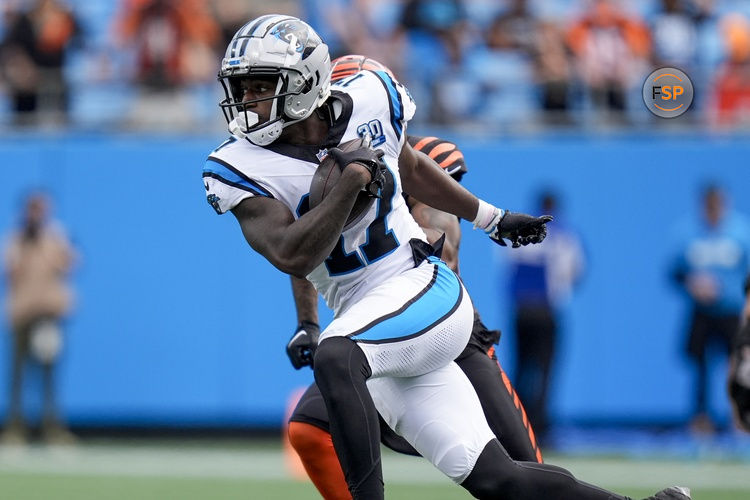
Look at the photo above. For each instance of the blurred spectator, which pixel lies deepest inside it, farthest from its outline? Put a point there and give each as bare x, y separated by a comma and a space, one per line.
38, 258
175, 44
517, 25
674, 32
611, 49
367, 27
436, 17
542, 281
171, 39
712, 257
553, 73
32, 58
437, 33
708, 45
732, 85
502, 70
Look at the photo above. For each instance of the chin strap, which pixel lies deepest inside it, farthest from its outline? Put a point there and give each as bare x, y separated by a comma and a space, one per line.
237, 127
260, 137
266, 135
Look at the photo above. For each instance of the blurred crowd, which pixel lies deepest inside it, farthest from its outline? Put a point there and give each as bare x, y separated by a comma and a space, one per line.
485, 65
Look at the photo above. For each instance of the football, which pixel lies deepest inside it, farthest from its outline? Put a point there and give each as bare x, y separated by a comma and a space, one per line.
327, 175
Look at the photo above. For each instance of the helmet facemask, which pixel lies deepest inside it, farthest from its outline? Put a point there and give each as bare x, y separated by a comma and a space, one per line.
243, 122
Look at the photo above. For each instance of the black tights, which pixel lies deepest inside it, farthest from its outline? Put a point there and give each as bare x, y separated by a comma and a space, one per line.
341, 372
496, 477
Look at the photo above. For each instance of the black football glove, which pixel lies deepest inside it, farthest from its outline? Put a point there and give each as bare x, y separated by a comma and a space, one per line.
301, 347
368, 157
520, 229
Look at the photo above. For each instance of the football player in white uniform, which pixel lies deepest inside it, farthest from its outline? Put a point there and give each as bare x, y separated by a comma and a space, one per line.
401, 315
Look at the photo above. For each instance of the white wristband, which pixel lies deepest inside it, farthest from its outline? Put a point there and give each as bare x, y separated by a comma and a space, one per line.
487, 217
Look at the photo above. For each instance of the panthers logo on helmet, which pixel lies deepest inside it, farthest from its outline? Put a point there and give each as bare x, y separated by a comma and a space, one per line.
293, 32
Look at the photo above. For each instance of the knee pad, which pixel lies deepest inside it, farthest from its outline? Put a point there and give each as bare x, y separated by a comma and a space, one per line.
338, 357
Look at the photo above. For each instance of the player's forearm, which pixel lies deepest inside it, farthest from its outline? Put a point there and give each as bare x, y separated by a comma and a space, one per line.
312, 237
305, 300
296, 247
443, 193
425, 180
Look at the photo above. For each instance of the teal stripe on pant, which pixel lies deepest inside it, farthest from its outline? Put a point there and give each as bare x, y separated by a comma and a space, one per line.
419, 314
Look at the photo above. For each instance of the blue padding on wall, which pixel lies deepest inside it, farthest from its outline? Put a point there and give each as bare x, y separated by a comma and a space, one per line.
178, 322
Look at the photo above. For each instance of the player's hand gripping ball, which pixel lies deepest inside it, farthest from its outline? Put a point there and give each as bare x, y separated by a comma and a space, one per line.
332, 166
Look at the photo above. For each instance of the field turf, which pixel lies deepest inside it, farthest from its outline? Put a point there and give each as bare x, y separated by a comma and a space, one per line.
148, 470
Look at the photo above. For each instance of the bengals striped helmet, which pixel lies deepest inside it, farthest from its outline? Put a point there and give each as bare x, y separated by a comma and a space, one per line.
353, 63
445, 153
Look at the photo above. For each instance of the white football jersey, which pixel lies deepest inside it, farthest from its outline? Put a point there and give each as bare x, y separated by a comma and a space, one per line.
375, 248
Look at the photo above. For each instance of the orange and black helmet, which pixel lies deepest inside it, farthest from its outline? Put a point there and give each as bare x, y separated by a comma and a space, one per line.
351, 64
445, 153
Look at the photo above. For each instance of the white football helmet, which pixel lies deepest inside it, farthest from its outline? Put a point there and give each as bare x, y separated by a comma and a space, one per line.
282, 46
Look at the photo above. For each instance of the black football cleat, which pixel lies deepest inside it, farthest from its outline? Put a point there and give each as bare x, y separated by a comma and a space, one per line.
672, 493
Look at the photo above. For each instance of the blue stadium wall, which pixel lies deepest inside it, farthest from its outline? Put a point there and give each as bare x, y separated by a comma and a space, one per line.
178, 323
